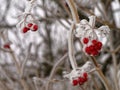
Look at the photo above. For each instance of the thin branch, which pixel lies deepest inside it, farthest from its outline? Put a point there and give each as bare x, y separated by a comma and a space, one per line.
25, 61
71, 48
55, 67
73, 10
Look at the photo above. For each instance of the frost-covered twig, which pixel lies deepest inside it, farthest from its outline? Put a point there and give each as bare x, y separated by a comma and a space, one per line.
71, 48
25, 61
74, 12
54, 70
114, 63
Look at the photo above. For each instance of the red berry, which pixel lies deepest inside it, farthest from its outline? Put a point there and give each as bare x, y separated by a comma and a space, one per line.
85, 40
95, 47
95, 52
35, 27
74, 82
85, 79
94, 41
25, 29
7, 46
85, 75
29, 25
99, 44
92, 48
87, 50
81, 80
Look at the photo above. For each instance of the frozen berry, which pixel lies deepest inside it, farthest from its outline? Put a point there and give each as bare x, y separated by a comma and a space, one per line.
25, 29
85, 40
85, 75
29, 25
99, 44
87, 50
35, 27
94, 41
95, 52
7, 46
85, 79
74, 82
92, 48
81, 80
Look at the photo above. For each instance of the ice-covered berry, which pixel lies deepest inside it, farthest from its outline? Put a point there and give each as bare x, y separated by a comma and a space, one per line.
25, 29
35, 27
94, 41
85, 75
81, 80
87, 50
29, 25
85, 40
75, 82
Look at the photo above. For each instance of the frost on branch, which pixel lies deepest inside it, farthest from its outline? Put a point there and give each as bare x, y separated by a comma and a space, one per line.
79, 75
87, 2
87, 32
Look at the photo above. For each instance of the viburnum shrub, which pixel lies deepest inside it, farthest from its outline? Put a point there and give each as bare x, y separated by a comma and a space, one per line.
89, 36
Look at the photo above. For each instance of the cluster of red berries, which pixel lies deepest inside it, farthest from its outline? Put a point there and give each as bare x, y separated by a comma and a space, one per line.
80, 80
30, 26
92, 47
6, 46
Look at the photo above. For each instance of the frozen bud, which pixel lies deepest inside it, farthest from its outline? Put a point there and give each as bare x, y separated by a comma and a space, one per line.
104, 31
87, 66
80, 31
92, 21
84, 21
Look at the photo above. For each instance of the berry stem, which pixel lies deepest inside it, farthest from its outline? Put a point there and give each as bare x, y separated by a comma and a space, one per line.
70, 47
102, 77
73, 9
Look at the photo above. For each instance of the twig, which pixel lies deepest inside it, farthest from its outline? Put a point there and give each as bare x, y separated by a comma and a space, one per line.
7, 77
6, 50
54, 70
73, 10
25, 61
70, 48
114, 62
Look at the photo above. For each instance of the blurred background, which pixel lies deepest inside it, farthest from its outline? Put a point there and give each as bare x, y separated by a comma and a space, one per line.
36, 53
